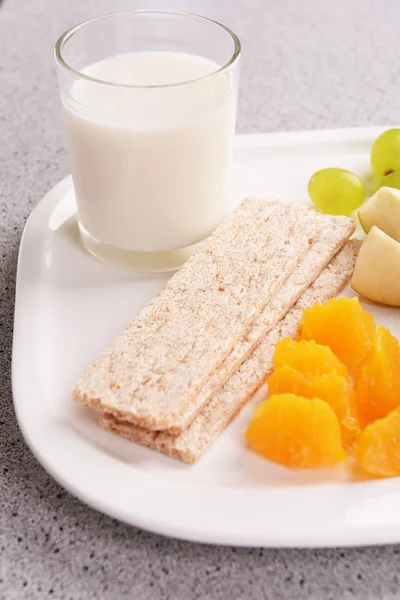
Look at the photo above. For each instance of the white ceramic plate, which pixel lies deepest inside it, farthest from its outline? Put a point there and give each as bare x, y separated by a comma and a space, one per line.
69, 306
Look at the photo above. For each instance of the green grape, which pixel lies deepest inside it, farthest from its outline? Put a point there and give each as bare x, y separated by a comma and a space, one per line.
385, 153
336, 191
392, 180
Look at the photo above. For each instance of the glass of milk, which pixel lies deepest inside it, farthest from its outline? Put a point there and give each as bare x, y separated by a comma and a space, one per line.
149, 100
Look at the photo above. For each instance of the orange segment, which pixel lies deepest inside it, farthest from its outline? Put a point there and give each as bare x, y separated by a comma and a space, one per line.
378, 450
336, 390
307, 357
343, 325
296, 432
377, 382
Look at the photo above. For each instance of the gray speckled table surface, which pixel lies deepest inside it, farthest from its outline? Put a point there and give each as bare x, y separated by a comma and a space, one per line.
309, 64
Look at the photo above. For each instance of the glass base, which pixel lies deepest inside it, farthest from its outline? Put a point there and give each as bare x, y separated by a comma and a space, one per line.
142, 262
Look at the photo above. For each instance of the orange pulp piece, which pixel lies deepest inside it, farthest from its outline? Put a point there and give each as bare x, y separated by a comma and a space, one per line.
307, 357
296, 432
344, 326
335, 389
378, 449
377, 382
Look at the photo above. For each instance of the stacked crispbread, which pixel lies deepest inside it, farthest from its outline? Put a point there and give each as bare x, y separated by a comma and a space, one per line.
189, 361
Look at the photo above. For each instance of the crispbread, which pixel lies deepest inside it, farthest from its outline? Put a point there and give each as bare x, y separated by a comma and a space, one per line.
333, 235
149, 374
219, 412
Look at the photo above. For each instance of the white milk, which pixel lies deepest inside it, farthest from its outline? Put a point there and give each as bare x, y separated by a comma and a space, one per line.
150, 164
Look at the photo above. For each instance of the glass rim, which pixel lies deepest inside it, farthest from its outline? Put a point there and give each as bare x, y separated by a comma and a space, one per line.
72, 30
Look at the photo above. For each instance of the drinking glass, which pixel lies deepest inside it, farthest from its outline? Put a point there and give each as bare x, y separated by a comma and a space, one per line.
149, 100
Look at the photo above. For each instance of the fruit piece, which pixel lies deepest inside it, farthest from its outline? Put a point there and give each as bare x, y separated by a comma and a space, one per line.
336, 191
335, 389
307, 357
377, 382
378, 449
382, 210
343, 325
391, 181
296, 432
385, 153
376, 273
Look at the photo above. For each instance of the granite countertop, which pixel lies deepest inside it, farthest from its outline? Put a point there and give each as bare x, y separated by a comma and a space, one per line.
310, 64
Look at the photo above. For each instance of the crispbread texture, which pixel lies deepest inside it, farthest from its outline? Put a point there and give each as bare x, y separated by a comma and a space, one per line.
225, 405
334, 233
149, 373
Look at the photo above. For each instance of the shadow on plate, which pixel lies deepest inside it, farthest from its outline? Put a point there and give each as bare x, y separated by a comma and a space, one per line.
67, 263
84, 422
228, 463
